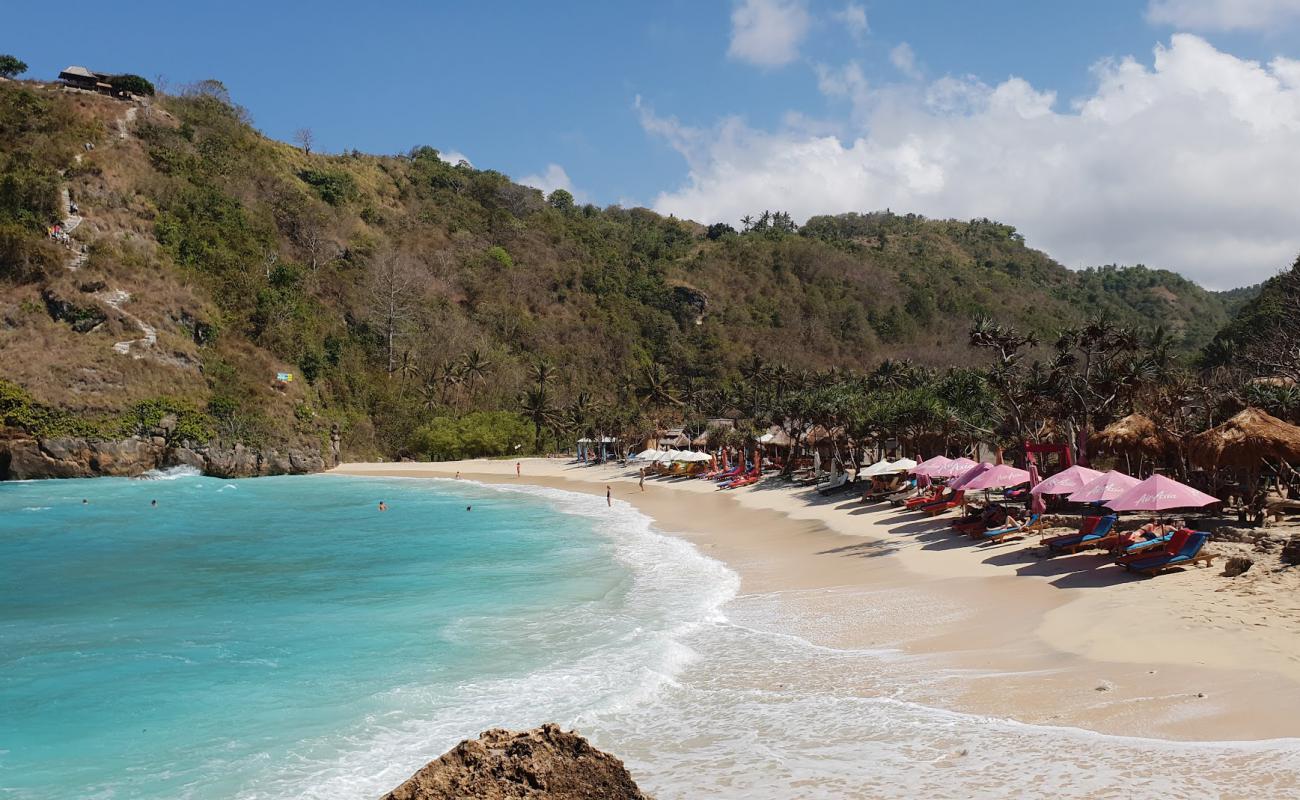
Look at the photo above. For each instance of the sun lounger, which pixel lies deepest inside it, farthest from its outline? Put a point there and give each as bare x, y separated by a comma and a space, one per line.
931, 496
1034, 523
839, 482
946, 504
1101, 534
1182, 549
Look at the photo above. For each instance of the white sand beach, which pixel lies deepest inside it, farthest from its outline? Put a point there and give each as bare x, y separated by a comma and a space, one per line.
1071, 641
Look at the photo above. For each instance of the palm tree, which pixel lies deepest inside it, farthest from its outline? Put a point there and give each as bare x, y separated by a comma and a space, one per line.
537, 406
541, 371
656, 388
474, 366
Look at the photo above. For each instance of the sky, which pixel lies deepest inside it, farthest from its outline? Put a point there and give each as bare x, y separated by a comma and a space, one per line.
1162, 132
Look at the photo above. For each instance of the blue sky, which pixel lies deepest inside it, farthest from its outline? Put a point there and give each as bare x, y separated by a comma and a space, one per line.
549, 92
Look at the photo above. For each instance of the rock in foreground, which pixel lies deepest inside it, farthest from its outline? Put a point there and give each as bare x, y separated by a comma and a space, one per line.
545, 762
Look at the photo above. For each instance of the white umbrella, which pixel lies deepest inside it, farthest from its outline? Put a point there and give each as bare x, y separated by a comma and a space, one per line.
648, 455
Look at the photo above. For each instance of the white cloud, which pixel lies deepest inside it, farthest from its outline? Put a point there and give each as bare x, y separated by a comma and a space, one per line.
1223, 15
1188, 163
553, 178
854, 19
454, 157
904, 60
767, 33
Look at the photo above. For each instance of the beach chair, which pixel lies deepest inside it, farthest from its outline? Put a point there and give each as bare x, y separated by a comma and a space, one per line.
1100, 534
1034, 523
946, 504
1183, 548
839, 482
925, 498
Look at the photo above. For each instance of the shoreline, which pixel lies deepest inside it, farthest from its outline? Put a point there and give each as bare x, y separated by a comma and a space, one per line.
993, 636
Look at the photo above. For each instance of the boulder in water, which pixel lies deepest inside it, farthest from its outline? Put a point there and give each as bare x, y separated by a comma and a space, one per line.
544, 762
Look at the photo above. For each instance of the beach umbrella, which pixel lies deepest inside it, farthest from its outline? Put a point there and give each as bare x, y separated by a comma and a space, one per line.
1159, 493
1066, 482
969, 475
952, 469
648, 455
1109, 486
1036, 506
930, 463
999, 477
886, 467
904, 464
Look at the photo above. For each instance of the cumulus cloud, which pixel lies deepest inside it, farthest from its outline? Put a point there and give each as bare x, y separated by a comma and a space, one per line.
1187, 164
454, 157
854, 19
767, 33
554, 177
1223, 15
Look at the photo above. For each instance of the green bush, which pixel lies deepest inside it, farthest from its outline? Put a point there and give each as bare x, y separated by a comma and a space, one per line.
333, 187
131, 83
498, 254
482, 433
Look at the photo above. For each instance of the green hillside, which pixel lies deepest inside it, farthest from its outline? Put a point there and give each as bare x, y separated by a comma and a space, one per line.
404, 293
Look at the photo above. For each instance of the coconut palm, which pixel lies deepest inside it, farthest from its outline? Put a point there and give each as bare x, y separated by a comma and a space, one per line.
537, 405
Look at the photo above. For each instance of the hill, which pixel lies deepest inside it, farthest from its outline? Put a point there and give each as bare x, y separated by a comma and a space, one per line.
419, 304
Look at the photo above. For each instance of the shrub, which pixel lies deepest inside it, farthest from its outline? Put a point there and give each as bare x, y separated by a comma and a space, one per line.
333, 187
498, 254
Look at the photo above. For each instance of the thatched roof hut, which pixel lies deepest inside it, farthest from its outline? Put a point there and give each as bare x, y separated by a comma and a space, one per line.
1134, 435
1245, 440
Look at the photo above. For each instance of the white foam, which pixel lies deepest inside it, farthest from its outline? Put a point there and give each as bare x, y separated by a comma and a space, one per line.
171, 474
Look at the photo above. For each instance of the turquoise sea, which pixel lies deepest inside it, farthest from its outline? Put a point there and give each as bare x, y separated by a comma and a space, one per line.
283, 638
275, 637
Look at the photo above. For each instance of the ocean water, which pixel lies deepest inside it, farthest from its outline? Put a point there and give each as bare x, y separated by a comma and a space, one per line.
282, 638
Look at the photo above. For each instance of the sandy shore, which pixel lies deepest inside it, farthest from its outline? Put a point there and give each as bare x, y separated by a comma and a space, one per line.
1066, 641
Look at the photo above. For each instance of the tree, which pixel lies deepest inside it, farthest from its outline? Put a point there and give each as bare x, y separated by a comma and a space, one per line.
561, 199
537, 406
132, 83
304, 138
393, 283
11, 66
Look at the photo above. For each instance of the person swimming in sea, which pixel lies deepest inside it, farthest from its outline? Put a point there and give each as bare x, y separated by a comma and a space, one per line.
153, 503
469, 508
383, 506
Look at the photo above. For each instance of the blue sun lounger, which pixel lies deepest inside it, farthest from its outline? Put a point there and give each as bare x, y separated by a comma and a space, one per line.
1073, 542
1188, 552
1011, 531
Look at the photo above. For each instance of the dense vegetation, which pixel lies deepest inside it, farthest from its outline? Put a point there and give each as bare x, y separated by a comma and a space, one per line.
436, 309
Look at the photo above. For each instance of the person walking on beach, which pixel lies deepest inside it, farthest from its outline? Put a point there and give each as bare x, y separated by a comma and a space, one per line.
641, 482
516, 469
609, 496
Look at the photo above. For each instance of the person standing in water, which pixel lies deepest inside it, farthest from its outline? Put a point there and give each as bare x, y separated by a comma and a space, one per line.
609, 498
641, 482
383, 506
517, 472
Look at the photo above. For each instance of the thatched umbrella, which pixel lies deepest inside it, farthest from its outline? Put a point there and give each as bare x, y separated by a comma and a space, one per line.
1247, 439
1134, 435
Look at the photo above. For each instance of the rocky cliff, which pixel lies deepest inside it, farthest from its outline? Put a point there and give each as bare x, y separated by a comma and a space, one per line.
545, 762
25, 457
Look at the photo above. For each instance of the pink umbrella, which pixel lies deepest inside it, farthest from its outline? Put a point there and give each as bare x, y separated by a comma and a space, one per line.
1037, 506
930, 463
953, 469
999, 477
1159, 493
1067, 481
961, 481
1109, 486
